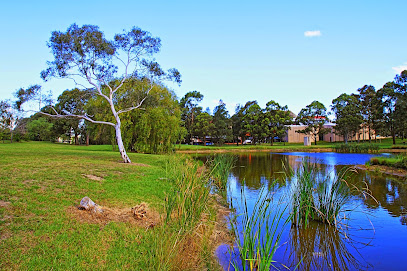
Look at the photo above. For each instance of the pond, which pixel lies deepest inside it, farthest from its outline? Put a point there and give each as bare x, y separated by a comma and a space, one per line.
376, 238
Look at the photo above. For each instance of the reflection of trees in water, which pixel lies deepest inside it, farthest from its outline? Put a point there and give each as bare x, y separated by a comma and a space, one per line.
321, 247
390, 193
256, 169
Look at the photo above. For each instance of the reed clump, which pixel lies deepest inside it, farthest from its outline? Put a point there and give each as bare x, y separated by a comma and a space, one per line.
319, 197
187, 222
258, 233
220, 166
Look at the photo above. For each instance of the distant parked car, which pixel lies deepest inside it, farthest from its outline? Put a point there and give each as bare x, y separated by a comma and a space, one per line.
247, 141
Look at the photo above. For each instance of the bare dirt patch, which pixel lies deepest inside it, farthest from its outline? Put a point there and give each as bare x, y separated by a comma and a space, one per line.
93, 177
4, 204
135, 164
221, 233
213, 233
140, 215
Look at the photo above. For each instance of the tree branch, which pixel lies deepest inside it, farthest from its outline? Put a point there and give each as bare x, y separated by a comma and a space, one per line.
136, 106
60, 116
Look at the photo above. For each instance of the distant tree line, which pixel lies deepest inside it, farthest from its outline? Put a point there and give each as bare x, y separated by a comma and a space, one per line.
382, 112
164, 121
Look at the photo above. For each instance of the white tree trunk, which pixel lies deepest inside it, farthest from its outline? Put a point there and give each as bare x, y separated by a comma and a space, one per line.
119, 139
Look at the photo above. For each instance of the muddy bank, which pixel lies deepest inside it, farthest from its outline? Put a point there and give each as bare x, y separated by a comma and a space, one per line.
384, 170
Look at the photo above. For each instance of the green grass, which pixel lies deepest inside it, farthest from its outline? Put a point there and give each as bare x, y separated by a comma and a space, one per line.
40, 185
395, 162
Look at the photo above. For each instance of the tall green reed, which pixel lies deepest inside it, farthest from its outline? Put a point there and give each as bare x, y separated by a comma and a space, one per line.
258, 232
189, 197
220, 166
316, 196
186, 206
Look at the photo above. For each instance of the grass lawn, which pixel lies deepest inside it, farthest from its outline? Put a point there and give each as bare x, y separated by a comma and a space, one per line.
40, 185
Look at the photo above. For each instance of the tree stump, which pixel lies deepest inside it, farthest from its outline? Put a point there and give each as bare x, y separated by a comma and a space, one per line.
89, 205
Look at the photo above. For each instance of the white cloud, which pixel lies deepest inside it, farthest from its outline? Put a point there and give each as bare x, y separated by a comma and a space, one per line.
400, 68
314, 33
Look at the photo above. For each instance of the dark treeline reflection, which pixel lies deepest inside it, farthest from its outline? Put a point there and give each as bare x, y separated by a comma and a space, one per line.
257, 168
389, 193
322, 248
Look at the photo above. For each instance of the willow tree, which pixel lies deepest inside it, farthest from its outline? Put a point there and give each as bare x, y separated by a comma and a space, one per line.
102, 66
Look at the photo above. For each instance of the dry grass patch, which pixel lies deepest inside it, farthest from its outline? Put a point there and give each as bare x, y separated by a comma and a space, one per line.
93, 177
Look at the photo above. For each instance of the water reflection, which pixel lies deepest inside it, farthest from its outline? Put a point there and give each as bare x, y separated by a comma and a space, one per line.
261, 169
320, 247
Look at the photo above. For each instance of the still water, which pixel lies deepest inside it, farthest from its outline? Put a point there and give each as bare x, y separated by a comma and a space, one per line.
377, 234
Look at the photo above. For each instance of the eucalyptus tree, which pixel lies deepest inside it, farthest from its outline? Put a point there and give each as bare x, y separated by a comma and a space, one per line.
190, 109
236, 119
102, 66
348, 117
276, 120
401, 106
313, 116
387, 96
222, 123
203, 126
367, 98
252, 116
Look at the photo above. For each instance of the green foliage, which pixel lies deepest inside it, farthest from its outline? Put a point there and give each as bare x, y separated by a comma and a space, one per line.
40, 129
348, 115
314, 116
153, 128
186, 203
388, 98
8, 120
356, 148
156, 128
276, 120
203, 126
368, 101
222, 124
189, 111
252, 116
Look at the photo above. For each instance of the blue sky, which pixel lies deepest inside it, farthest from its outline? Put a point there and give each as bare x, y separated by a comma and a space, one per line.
236, 51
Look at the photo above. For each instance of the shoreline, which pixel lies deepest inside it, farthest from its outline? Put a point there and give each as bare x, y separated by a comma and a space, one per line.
281, 150
384, 170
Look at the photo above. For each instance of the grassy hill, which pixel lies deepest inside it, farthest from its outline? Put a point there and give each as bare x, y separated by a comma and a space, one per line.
42, 183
